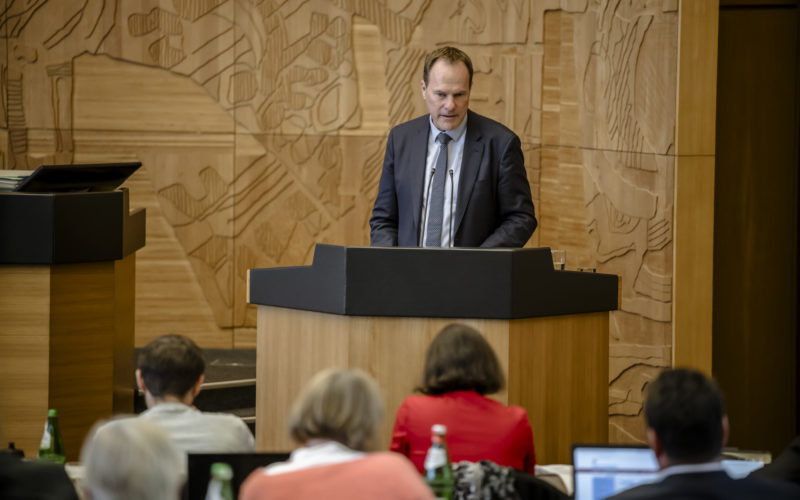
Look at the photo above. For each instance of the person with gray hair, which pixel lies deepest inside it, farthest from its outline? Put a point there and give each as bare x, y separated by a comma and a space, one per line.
132, 459
336, 420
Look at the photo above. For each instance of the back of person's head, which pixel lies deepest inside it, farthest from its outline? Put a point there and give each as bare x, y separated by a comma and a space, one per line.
340, 405
132, 459
460, 359
450, 54
171, 365
685, 409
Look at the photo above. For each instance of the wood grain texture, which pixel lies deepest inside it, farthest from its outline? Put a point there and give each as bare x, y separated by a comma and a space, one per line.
24, 354
262, 128
694, 185
555, 368
81, 377
755, 229
61, 329
697, 78
694, 241
608, 114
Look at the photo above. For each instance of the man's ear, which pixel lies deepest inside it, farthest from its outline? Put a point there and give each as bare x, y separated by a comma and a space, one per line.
653, 442
422, 87
658, 449
140, 381
198, 386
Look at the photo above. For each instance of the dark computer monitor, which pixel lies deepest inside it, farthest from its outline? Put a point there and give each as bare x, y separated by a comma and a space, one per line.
199, 469
77, 178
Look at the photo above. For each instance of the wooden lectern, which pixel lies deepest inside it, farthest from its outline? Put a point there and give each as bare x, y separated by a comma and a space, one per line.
378, 309
67, 276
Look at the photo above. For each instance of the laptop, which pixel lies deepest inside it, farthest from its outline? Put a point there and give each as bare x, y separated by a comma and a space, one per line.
199, 469
602, 470
77, 178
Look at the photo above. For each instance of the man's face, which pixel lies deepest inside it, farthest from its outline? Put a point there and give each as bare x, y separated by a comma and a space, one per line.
447, 93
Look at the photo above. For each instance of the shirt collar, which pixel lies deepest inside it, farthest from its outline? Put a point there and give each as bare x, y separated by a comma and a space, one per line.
690, 469
170, 407
454, 134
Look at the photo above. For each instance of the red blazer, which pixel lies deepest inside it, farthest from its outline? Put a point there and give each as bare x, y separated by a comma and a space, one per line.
478, 428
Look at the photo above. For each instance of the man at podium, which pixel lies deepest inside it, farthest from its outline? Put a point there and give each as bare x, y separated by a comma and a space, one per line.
452, 178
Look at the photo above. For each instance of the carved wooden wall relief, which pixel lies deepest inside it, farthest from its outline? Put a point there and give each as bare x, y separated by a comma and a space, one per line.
261, 125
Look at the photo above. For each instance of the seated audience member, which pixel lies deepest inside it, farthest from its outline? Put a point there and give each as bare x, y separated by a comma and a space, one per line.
786, 467
686, 428
460, 370
170, 372
132, 459
336, 420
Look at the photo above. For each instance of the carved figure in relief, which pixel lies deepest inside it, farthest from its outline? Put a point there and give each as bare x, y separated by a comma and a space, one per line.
473, 192
627, 107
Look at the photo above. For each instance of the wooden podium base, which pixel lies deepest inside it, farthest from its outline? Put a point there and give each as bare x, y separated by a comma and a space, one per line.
66, 342
556, 368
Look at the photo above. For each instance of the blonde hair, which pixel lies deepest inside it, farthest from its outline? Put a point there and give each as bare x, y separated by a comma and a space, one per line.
341, 405
132, 459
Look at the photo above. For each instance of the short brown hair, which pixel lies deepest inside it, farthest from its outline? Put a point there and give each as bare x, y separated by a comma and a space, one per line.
171, 365
685, 409
460, 359
342, 405
450, 54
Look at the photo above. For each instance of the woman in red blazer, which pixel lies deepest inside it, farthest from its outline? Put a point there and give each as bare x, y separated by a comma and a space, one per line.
460, 370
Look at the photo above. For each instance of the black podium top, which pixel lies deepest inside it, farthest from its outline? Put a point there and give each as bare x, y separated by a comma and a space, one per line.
434, 282
63, 228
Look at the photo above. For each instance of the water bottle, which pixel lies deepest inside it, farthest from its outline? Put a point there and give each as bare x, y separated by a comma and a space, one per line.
438, 472
51, 448
219, 486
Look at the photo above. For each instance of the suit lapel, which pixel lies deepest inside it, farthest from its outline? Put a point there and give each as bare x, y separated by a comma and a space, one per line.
470, 164
416, 169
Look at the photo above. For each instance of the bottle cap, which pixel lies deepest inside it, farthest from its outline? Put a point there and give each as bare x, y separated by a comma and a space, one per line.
221, 470
439, 429
52, 413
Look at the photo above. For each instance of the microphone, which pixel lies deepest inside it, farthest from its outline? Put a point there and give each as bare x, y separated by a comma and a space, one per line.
421, 242
452, 222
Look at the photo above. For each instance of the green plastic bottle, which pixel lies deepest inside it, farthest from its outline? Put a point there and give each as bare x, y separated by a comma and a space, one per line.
219, 487
438, 472
51, 448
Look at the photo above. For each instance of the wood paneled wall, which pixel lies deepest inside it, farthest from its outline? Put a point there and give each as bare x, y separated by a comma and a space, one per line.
262, 124
755, 348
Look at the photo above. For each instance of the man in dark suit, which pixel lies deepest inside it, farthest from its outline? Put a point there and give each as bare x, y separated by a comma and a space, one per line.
480, 197
686, 428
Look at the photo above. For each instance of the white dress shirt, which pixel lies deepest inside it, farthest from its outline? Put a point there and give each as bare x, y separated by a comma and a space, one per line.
455, 152
194, 431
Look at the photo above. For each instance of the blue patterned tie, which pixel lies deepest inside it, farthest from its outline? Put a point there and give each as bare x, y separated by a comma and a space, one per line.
433, 233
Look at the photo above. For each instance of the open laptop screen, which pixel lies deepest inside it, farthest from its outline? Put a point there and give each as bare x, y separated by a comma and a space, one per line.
77, 178
600, 471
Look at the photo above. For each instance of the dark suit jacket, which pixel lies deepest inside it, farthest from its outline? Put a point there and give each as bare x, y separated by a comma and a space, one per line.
494, 206
710, 486
786, 467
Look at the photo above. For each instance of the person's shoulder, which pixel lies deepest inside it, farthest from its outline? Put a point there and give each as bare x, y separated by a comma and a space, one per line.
419, 401
388, 463
221, 416
768, 487
411, 125
642, 492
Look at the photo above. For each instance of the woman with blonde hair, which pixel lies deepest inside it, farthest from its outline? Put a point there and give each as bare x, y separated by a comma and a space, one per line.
336, 420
